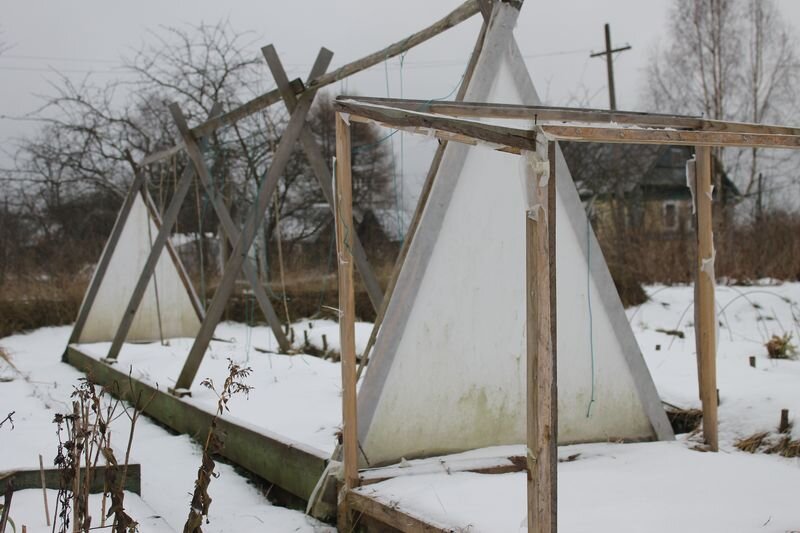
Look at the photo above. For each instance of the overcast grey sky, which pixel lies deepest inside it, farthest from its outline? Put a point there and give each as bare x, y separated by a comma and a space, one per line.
78, 36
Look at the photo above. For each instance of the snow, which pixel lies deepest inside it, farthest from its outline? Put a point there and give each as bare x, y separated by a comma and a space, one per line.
169, 462
654, 487
297, 397
661, 486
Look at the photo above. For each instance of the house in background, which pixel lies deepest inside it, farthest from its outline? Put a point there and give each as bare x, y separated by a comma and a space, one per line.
650, 178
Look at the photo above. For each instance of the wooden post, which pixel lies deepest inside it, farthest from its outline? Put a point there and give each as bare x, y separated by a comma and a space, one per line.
344, 238
783, 426
706, 311
44, 491
541, 361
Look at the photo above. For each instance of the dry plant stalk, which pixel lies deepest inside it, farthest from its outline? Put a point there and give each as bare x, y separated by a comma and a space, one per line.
201, 500
83, 436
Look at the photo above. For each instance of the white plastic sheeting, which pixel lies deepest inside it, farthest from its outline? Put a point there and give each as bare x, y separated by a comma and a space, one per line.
448, 371
178, 317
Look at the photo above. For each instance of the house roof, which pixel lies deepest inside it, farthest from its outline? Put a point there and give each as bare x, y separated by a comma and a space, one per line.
653, 169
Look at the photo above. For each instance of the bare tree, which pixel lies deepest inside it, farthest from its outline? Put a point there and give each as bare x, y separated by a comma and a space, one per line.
728, 60
84, 154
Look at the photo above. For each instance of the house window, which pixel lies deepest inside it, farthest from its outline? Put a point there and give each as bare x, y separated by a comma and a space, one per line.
670, 216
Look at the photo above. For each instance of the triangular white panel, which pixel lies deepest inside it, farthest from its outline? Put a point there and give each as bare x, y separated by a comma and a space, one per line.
448, 370
178, 315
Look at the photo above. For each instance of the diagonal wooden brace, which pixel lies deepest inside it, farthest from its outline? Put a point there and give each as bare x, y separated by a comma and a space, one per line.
254, 220
230, 229
157, 247
320, 168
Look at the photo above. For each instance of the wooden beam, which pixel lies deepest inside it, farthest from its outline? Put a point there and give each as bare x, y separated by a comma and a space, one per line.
160, 155
237, 258
671, 137
105, 257
229, 227
391, 515
30, 478
320, 168
542, 401
523, 139
706, 310
457, 16
544, 114
344, 239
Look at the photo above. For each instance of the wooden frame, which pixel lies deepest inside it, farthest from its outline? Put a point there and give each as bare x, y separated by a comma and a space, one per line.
297, 96
445, 120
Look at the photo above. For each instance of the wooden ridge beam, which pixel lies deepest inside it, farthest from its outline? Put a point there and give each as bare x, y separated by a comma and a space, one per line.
457, 16
671, 137
571, 114
453, 128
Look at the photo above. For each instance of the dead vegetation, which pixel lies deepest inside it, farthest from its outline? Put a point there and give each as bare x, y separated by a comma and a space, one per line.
684, 420
215, 441
781, 347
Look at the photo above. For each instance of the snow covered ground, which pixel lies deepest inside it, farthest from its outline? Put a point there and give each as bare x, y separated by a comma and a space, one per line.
169, 462
609, 487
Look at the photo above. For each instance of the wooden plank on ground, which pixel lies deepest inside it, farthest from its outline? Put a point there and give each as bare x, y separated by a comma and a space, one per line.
391, 515
30, 478
291, 466
672, 137
542, 401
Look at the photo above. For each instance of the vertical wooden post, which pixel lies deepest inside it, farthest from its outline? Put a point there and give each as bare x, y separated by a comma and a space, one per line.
541, 361
345, 231
706, 312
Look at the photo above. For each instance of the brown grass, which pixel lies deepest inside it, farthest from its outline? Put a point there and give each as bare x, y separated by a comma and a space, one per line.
770, 443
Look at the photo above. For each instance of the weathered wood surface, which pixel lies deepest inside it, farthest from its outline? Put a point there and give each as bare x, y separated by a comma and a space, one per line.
229, 227
570, 114
30, 478
460, 14
542, 399
672, 137
291, 466
344, 237
320, 168
391, 515
706, 308
453, 128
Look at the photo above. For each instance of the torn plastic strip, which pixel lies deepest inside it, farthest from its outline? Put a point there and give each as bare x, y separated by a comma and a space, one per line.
345, 118
534, 175
691, 180
710, 193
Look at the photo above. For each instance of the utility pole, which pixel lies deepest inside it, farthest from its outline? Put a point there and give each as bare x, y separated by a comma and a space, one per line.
612, 94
